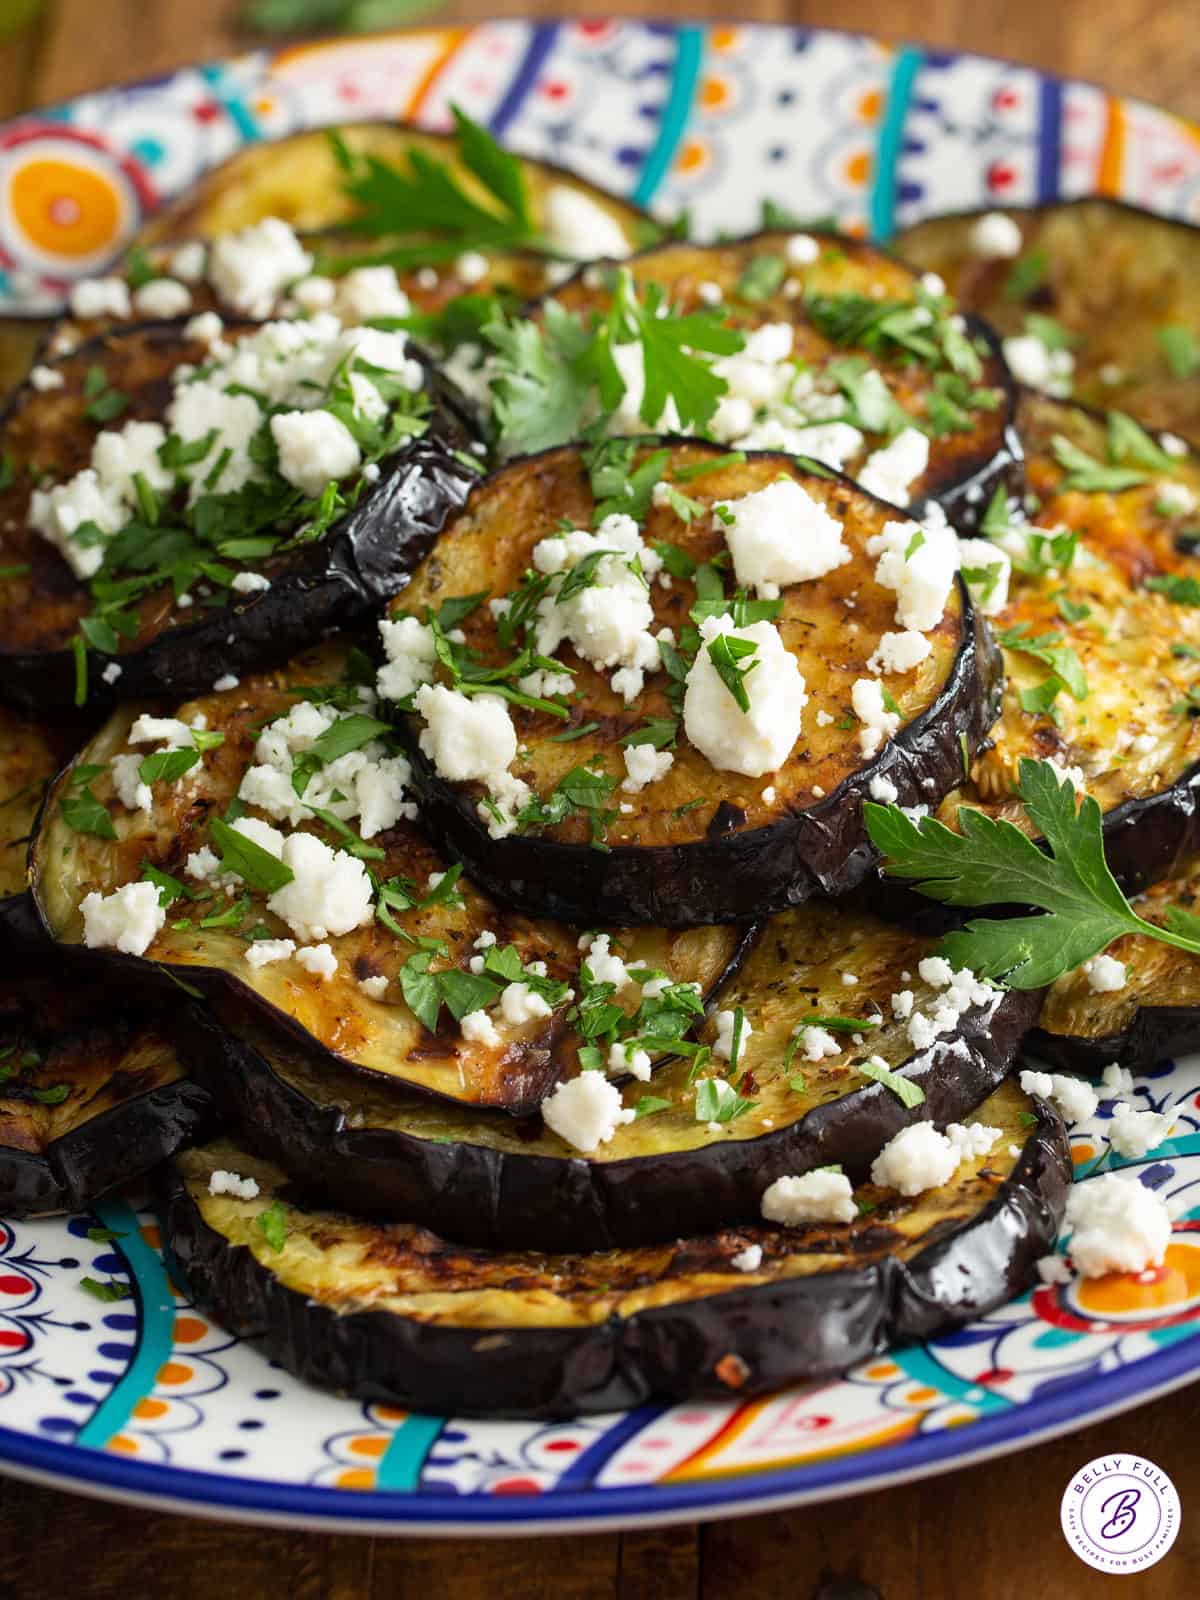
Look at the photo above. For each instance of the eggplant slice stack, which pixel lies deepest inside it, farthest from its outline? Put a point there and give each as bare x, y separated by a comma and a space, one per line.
548, 1039
391, 1312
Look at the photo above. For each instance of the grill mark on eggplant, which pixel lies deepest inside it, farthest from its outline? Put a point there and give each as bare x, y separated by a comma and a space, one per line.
500, 1184
662, 867
396, 1313
335, 582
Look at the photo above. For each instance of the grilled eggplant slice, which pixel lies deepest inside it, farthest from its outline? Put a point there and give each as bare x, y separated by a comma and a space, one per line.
486, 1181
88, 1099
159, 646
513, 1070
837, 306
30, 755
1125, 606
1120, 283
1153, 1016
391, 1312
301, 180
698, 845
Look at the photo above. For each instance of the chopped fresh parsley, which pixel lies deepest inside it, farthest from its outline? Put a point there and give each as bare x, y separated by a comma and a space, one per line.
906, 1091
272, 1223
254, 865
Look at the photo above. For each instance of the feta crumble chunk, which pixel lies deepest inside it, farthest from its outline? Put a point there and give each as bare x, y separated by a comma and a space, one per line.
995, 237
1117, 1225
127, 920
751, 742
915, 1159
585, 1111
238, 1188
782, 535
811, 1197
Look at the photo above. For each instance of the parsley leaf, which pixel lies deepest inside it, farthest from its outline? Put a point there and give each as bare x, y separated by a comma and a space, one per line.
1085, 473
254, 865
991, 862
727, 652
272, 1223
906, 1091
1180, 348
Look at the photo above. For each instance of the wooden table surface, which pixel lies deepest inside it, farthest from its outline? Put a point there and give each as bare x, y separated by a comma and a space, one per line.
985, 1533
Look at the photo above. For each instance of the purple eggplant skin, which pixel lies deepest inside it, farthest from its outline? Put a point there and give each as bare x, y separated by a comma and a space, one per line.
335, 584
730, 876
1154, 1034
742, 1342
482, 1196
125, 1142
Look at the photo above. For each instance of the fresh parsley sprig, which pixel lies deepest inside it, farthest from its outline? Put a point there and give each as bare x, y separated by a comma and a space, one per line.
991, 862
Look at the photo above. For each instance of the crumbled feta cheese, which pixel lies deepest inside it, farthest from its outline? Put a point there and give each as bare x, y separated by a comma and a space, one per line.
1116, 1080
1134, 1134
1076, 1100
747, 1260
206, 326
1173, 444
812, 1197
128, 920
891, 471
603, 965
578, 226
189, 261
883, 790
817, 1043
251, 268
162, 297
915, 1159
226, 682
411, 657
723, 1043
315, 449
1033, 363
133, 794
1117, 1225
168, 732
994, 237
318, 294
974, 1140
375, 988
318, 959
1175, 500
782, 535
59, 512
468, 738
935, 971
100, 297
112, 672
902, 1005
899, 652
330, 892
44, 379
608, 621
624, 1059
371, 292
221, 1182
201, 408
919, 565
1053, 1269
645, 765
709, 293
585, 1111
478, 1028
1105, 974
750, 742
202, 864
878, 724
264, 952
520, 1004
989, 592
801, 250
250, 583
933, 284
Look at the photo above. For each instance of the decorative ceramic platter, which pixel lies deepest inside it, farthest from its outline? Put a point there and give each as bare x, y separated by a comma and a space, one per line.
145, 1399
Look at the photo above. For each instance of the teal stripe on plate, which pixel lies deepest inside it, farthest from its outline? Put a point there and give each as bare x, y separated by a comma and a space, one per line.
891, 137
927, 1369
689, 51
404, 1457
155, 1330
